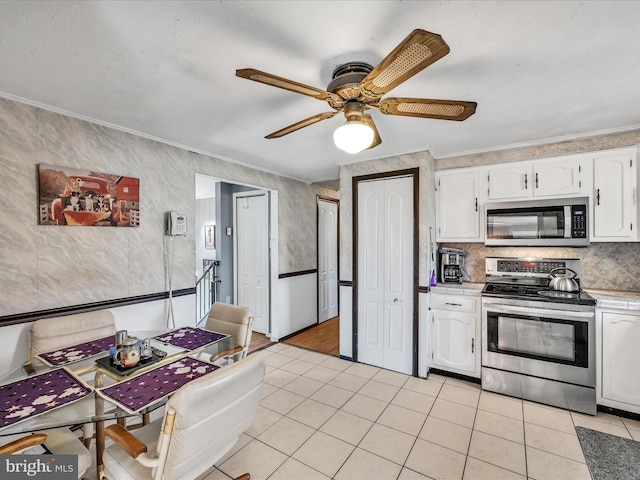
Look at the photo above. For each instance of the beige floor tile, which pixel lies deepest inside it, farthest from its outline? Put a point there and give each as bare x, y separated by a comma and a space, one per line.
362, 465
364, 406
350, 382
378, 390
631, 424
282, 401
435, 461
314, 357
264, 419
635, 434
446, 434
453, 412
546, 466
599, 417
347, 427
324, 453
388, 443
293, 352
500, 426
321, 373
476, 387
584, 421
498, 451
391, 378
276, 360
312, 413
276, 347
332, 396
550, 417
336, 363
501, 404
362, 370
297, 366
402, 419
426, 387
267, 389
436, 378
303, 386
408, 474
286, 435
553, 441
257, 458
459, 395
478, 470
293, 469
413, 401
214, 474
279, 378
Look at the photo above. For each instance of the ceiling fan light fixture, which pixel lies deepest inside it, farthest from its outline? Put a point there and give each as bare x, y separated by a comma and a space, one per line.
353, 137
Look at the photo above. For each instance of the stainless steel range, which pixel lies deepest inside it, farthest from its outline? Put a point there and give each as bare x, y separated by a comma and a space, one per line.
538, 343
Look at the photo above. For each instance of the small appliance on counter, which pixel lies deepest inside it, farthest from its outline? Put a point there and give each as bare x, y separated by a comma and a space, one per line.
451, 265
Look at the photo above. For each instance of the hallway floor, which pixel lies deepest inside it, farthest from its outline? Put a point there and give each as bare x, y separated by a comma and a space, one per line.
322, 338
321, 417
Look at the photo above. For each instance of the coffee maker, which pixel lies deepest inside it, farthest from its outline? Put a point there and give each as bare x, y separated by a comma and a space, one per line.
451, 264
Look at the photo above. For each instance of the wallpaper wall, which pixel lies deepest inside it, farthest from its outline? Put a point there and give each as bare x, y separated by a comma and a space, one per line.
44, 267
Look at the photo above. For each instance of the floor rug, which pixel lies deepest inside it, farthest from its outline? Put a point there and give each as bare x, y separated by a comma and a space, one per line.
610, 457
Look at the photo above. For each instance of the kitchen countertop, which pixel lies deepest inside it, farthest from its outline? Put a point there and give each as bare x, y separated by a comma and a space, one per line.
621, 299
465, 288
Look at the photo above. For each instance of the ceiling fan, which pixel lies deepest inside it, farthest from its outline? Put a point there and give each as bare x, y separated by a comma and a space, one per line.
356, 87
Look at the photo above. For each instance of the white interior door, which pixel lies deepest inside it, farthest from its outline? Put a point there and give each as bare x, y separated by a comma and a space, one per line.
327, 260
251, 252
385, 273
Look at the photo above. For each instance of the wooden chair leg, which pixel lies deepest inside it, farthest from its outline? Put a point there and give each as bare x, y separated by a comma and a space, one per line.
244, 476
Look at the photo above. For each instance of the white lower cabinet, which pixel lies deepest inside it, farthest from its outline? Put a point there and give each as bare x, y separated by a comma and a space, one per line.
454, 340
619, 357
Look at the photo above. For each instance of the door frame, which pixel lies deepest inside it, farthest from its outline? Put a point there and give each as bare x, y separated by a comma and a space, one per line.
337, 202
415, 174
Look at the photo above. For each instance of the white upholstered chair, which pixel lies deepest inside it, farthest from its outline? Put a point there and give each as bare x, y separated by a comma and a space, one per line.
202, 422
57, 441
50, 334
232, 320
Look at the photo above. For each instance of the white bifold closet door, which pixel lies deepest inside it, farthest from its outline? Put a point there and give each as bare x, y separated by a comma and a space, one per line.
385, 273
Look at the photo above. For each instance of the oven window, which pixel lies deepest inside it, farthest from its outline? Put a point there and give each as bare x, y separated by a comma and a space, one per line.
547, 339
552, 340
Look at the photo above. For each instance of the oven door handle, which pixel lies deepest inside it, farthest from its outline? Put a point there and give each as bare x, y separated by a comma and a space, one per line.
541, 312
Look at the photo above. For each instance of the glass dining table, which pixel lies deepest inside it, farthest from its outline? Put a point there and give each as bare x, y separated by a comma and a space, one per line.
92, 389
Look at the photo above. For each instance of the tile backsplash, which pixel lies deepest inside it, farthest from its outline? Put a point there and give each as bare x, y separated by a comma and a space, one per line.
605, 266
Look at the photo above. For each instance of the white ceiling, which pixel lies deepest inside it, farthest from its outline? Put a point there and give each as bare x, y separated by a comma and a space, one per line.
539, 71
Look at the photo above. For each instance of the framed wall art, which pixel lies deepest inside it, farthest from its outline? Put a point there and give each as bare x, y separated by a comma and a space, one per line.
210, 237
70, 196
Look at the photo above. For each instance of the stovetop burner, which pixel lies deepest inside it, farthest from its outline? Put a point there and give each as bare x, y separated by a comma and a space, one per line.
538, 291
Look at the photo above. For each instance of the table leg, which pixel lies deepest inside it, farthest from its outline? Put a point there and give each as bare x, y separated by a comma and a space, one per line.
99, 427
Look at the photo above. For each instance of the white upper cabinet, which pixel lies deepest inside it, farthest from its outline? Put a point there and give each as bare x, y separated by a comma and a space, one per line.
614, 203
459, 206
544, 178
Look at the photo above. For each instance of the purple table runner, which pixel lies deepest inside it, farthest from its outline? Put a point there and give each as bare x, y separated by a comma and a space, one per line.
143, 390
24, 399
189, 338
78, 352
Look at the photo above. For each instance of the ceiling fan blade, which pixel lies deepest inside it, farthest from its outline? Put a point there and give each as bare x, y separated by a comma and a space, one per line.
301, 124
426, 108
416, 52
367, 120
286, 84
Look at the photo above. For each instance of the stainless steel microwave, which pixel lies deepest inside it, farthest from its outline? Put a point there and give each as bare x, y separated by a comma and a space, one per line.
557, 222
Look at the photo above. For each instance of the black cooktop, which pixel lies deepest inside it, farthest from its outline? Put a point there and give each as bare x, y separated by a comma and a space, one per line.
534, 289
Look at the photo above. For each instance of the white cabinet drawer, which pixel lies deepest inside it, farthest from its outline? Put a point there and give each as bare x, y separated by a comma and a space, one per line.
454, 302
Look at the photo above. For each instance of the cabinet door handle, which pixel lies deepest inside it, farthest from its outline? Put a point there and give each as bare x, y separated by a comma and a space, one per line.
598, 196
453, 304
536, 179
472, 345
525, 181
476, 204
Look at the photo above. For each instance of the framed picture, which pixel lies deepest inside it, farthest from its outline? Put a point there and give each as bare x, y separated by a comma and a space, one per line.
71, 196
210, 237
